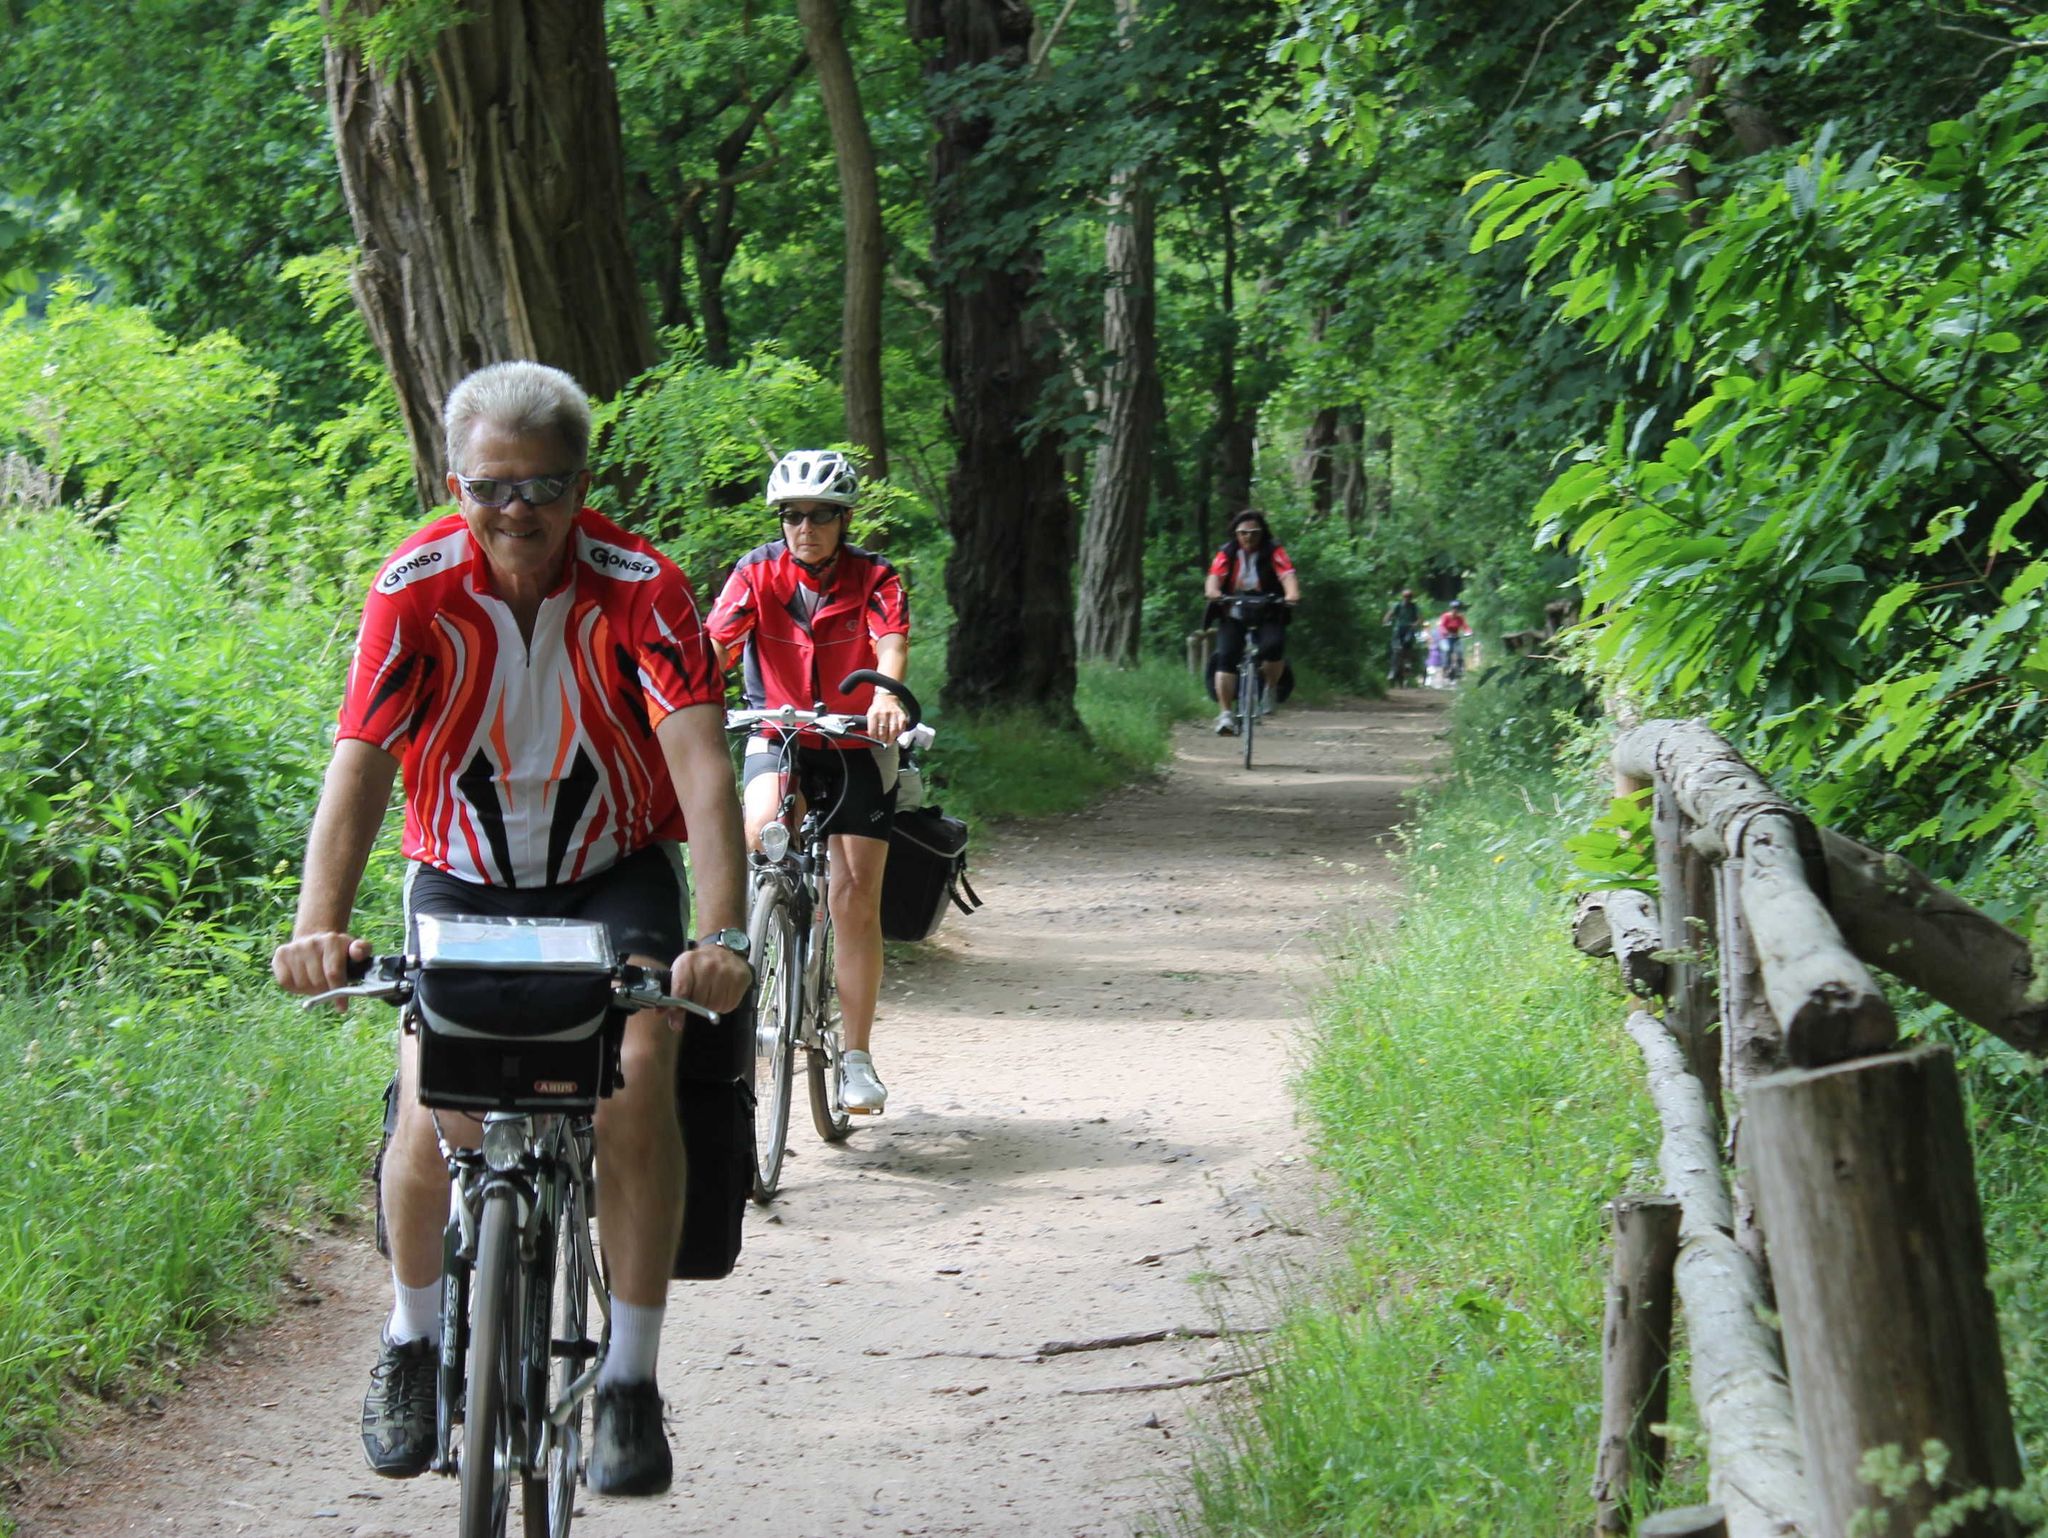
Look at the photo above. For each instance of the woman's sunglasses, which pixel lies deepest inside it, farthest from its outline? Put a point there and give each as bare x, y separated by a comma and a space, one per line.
817, 517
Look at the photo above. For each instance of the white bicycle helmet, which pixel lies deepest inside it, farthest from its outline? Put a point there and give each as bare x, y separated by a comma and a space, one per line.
814, 475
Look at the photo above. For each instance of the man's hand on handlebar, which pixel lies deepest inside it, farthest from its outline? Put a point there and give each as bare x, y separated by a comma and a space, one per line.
317, 962
711, 975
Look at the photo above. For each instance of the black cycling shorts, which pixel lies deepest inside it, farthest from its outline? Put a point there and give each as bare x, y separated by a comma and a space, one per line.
846, 783
1230, 642
643, 901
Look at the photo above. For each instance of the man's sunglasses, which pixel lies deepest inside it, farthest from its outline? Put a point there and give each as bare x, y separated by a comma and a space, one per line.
817, 518
534, 491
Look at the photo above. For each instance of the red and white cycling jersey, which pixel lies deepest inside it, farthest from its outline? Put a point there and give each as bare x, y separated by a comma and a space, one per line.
529, 764
801, 639
1243, 572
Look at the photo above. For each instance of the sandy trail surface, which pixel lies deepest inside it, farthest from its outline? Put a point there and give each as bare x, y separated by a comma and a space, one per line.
1089, 1134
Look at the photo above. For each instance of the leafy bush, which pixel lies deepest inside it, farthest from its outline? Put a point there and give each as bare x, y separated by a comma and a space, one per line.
1821, 518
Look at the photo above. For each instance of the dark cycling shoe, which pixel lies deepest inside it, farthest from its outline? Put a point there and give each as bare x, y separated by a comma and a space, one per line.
628, 1446
398, 1412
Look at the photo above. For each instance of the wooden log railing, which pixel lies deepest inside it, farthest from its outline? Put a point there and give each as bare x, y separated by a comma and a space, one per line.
1834, 1286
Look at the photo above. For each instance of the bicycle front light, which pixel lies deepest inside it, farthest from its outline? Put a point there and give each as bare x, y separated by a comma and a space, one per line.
774, 842
504, 1142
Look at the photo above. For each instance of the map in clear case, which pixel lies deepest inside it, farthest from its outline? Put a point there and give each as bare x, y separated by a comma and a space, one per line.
514, 944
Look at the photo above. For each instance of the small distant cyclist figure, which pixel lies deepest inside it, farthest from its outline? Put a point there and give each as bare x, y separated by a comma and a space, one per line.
1250, 563
1453, 627
1404, 621
805, 610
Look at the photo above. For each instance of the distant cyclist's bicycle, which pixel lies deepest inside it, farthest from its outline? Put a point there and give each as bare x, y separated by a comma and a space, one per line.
1251, 610
1405, 666
520, 1268
789, 933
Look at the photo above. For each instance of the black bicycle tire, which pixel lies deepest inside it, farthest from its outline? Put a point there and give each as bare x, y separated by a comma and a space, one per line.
536, 1322
772, 943
566, 1310
486, 1416
1247, 704
821, 1064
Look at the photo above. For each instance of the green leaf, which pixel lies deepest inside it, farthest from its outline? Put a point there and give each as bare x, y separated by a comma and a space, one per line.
2001, 532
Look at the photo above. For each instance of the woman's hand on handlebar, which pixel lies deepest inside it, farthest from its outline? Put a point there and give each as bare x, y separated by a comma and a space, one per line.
319, 961
887, 719
711, 975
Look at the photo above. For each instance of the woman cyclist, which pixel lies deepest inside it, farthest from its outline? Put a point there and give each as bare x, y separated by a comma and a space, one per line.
1249, 563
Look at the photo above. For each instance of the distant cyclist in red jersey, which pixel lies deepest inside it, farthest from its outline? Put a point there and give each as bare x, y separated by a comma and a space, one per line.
1250, 563
802, 612
542, 678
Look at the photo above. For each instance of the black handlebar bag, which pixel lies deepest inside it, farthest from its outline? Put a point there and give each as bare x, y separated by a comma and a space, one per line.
715, 1104
514, 1014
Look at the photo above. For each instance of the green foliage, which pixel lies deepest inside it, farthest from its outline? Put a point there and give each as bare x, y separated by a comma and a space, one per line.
175, 637
175, 153
1826, 529
397, 33
1475, 1103
167, 1123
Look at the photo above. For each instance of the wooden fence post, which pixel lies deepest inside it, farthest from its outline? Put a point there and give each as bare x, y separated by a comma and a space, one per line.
1752, 1046
1864, 1179
1685, 904
1635, 1376
1198, 651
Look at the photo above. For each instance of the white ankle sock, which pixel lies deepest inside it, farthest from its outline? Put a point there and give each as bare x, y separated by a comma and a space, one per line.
417, 1313
636, 1342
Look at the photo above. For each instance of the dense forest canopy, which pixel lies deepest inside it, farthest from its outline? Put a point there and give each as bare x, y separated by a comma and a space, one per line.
1724, 315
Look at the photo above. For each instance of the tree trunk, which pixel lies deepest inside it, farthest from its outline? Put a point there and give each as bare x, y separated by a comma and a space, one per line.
709, 213
860, 338
1318, 462
485, 186
1233, 441
1113, 542
1013, 638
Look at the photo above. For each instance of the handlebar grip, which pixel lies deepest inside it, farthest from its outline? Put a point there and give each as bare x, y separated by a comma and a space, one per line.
911, 709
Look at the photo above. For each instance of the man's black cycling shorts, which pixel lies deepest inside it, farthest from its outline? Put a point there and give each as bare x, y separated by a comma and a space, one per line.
643, 901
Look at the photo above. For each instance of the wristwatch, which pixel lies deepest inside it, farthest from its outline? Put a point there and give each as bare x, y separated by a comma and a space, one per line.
734, 940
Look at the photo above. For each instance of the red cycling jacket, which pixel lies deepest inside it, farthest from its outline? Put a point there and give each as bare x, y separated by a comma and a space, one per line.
804, 631
529, 763
1247, 573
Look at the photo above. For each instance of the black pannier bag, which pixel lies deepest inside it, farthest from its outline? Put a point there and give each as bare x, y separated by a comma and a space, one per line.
927, 867
514, 1014
715, 1103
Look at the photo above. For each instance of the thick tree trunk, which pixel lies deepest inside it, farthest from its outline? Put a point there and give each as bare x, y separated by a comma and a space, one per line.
1113, 542
1318, 461
485, 187
860, 338
1007, 505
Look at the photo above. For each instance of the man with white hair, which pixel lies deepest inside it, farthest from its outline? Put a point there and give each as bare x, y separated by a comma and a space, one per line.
544, 681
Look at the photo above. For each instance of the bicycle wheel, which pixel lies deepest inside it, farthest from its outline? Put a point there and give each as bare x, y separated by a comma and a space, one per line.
772, 940
493, 1354
1247, 703
828, 1115
558, 1350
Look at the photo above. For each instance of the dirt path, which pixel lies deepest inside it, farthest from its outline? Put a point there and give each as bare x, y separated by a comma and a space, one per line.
1089, 1134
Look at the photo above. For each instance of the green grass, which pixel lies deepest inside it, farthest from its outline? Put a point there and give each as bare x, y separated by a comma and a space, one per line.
1476, 1101
162, 1134
1019, 766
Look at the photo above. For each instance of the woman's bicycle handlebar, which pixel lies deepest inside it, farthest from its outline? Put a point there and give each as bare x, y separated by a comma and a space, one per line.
389, 980
829, 724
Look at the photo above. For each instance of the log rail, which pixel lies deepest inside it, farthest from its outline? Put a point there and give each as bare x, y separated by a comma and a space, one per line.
1830, 1259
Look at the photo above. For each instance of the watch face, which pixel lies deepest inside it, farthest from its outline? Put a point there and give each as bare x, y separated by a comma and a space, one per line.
734, 940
